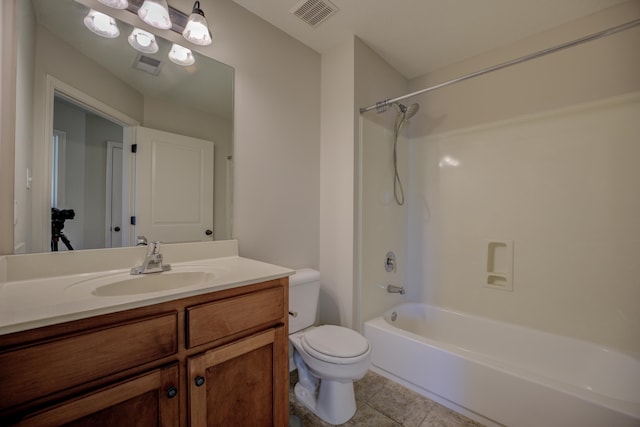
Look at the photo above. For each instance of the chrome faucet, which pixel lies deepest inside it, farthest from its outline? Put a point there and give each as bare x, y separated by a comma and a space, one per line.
141, 240
393, 289
152, 262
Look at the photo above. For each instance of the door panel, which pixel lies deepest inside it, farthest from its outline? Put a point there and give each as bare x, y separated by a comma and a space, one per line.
235, 384
174, 186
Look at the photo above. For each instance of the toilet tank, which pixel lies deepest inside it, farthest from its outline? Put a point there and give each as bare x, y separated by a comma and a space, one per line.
304, 289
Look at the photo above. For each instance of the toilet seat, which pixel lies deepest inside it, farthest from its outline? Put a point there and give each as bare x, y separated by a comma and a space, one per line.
335, 344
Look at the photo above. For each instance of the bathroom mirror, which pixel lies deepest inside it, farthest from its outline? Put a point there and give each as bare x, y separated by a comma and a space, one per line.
62, 66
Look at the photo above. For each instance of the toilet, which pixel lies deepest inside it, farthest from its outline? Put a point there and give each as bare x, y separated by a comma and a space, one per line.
329, 358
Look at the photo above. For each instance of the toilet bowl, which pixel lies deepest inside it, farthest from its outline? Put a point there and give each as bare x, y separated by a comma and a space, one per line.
324, 360
328, 358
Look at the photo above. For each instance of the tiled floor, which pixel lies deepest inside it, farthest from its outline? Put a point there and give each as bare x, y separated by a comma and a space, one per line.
384, 403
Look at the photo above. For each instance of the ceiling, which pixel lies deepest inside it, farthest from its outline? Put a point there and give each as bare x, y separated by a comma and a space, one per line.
420, 36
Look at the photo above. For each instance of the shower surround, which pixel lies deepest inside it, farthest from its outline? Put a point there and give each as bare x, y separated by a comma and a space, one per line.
542, 158
562, 188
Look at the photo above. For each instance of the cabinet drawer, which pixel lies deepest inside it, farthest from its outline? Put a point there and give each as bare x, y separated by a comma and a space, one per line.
38, 370
216, 320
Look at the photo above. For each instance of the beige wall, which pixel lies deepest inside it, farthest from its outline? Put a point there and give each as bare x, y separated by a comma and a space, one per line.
382, 223
358, 224
58, 59
337, 190
7, 124
24, 132
546, 156
276, 136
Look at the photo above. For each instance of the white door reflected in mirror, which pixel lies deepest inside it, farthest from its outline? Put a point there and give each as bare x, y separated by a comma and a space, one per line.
174, 186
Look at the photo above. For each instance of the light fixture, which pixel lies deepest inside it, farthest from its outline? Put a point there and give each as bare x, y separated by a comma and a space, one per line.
116, 4
143, 41
197, 31
155, 13
181, 55
101, 24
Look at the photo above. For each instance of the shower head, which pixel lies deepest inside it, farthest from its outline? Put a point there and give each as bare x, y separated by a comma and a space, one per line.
405, 114
409, 111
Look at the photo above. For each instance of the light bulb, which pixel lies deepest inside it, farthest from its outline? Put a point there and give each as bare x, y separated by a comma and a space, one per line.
181, 55
143, 41
101, 24
155, 13
197, 31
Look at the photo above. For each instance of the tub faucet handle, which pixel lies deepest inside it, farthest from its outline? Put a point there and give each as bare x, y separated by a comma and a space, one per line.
390, 262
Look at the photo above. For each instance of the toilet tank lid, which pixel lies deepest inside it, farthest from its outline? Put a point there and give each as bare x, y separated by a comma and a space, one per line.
304, 275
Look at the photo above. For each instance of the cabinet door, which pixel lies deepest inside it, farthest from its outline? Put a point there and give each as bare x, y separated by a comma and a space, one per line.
143, 401
244, 383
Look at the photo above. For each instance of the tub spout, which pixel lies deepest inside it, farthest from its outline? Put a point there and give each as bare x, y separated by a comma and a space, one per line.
393, 289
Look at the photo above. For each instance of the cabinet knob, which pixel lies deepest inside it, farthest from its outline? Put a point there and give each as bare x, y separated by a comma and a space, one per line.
199, 381
172, 392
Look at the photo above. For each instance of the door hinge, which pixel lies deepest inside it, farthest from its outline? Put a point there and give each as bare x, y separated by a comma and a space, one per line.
133, 220
134, 148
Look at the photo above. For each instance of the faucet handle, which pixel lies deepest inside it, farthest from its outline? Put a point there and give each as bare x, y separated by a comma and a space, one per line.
153, 262
141, 240
154, 248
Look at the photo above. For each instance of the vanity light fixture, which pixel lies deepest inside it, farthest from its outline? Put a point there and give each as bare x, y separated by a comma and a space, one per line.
101, 24
143, 41
181, 55
116, 4
197, 31
155, 13
159, 15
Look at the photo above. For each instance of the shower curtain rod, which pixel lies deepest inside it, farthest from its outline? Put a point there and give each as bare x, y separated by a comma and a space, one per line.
381, 106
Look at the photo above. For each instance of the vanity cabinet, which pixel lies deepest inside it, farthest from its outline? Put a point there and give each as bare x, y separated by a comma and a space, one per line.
217, 359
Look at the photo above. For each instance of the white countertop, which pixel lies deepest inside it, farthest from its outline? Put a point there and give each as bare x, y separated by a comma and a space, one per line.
28, 304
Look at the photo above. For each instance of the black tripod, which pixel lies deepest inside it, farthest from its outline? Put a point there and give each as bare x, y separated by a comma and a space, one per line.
58, 217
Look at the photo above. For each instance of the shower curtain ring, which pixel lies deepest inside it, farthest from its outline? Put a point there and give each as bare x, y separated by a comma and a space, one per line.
382, 106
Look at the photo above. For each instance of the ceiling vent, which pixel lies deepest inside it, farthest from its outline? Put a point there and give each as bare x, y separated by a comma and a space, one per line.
314, 12
147, 64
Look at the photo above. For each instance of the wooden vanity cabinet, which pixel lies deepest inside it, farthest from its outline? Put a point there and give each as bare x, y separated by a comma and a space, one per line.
218, 359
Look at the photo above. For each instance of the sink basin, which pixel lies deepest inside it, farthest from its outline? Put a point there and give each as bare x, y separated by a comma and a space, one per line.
123, 284
155, 282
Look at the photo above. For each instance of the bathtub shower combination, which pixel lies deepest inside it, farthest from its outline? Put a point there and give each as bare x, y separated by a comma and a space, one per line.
471, 178
502, 374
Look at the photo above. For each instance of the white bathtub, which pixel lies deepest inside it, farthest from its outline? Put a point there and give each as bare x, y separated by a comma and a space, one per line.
503, 374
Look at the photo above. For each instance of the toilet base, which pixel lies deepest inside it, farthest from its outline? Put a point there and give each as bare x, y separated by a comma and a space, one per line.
334, 402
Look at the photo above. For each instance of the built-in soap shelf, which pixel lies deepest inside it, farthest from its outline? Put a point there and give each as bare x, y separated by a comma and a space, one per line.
499, 272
